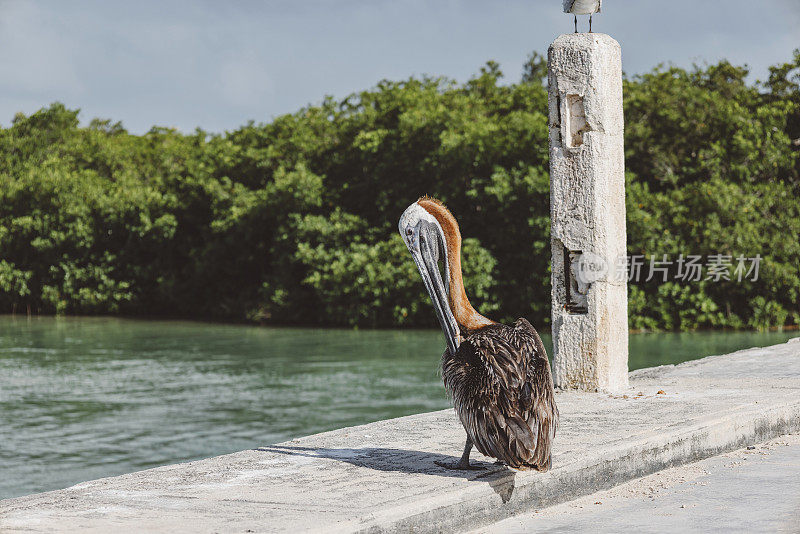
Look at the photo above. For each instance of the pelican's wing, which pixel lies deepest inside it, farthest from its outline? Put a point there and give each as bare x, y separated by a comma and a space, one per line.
503, 393
498, 424
568, 5
538, 398
517, 420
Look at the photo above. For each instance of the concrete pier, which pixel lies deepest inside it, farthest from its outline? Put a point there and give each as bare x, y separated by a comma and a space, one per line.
587, 209
382, 477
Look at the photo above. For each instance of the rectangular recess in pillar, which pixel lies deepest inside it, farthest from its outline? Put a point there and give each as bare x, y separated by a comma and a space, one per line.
576, 290
576, 122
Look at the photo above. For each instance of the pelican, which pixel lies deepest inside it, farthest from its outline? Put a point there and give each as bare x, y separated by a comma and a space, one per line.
582, 7
497, 375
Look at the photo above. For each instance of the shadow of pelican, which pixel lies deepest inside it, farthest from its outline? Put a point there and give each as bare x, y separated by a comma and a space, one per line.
499, 477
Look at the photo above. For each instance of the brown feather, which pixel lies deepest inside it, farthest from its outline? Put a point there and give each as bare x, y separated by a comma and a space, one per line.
502, 390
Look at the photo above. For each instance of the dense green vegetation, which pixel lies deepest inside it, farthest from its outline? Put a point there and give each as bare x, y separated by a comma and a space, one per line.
294, 221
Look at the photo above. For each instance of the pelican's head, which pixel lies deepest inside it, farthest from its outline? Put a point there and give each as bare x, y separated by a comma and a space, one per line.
426, 241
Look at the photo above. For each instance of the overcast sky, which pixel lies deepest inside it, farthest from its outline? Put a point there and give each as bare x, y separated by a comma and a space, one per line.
219, 64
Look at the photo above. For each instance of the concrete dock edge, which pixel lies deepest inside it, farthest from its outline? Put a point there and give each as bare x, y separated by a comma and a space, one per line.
460, 512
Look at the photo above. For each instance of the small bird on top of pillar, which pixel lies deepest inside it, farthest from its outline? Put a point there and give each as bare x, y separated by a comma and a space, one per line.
582, 7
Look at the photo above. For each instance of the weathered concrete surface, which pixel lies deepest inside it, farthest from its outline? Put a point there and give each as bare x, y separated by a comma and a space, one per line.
749, 490
382, 477
587, 213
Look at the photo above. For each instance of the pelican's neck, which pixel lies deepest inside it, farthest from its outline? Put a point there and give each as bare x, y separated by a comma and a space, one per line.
466, 316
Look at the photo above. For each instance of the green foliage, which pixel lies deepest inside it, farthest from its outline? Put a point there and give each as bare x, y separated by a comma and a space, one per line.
712, 169
294, 221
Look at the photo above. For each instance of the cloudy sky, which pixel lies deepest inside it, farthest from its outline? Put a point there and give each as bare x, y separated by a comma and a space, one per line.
218, 64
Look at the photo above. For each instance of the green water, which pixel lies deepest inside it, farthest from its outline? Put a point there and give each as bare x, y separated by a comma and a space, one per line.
83, 398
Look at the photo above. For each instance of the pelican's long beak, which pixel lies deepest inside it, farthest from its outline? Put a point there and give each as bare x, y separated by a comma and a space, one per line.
426, 245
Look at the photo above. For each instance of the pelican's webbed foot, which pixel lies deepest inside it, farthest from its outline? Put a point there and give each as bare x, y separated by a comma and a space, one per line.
463, 464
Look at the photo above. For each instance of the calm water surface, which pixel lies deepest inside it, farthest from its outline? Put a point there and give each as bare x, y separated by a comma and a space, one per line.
83, 398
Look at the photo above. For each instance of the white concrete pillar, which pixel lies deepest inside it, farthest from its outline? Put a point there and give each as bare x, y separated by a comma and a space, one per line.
587, 208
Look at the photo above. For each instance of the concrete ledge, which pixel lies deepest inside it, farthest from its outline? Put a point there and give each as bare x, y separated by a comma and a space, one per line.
381, 477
